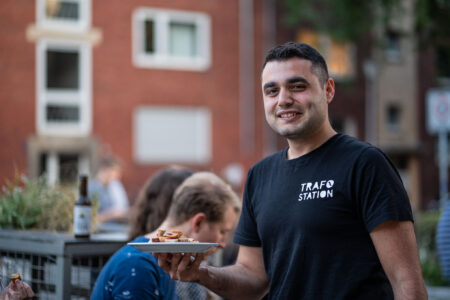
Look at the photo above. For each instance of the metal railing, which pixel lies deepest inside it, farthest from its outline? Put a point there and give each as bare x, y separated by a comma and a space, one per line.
56, 266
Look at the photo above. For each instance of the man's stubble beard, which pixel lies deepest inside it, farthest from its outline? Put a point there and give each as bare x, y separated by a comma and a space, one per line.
304, 130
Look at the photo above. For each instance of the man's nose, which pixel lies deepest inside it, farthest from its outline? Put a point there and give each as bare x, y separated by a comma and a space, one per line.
284, 97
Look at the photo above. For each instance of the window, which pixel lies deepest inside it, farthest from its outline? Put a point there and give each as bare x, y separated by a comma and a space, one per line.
443, 61
393, 117
63, 81
340, 56
345, 125
168, 134
64, 14
62, 168
393, 46
171, 39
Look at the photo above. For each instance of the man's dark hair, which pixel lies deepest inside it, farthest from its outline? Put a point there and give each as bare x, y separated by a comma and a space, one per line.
297, 50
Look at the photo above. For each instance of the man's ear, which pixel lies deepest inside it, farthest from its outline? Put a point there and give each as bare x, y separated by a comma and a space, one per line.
197, 221
329, 90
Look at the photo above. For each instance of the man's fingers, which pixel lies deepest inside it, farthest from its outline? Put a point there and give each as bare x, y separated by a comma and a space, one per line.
199, 257
185, 262
164, 262
176, 258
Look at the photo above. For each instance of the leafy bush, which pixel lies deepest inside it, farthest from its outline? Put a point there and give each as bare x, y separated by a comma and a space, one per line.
426, 225
33, 204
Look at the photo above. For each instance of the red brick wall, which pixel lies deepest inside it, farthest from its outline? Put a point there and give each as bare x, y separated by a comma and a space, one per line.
17, 85
119, 86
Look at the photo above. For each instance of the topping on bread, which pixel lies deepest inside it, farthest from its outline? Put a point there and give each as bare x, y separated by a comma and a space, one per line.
171, 236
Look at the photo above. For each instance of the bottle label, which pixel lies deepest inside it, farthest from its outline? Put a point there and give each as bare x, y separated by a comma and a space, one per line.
82, 220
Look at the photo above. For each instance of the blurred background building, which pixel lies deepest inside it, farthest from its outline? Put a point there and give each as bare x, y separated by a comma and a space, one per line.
160, 82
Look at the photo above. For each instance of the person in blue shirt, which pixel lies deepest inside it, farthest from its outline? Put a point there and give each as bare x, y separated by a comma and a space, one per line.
204, 208
108, 190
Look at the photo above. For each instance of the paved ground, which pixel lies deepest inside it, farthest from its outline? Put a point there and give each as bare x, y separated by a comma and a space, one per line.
438, 293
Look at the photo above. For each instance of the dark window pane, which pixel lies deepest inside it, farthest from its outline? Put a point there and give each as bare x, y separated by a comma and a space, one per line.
393, 45
149, 36
393, 117
55, 9
68, 168
62, 69
42, 164
443, 61
57, 113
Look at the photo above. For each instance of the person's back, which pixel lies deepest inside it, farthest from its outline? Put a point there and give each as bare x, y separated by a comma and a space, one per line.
132, 274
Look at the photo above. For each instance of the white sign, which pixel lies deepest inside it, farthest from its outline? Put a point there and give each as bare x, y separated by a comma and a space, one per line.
438, 110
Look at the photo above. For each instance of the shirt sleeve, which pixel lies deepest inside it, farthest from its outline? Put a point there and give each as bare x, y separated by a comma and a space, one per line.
379, 190
247, 232
135, 279
118, 195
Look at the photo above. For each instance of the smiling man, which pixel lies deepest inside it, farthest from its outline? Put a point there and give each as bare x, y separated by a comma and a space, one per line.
327, 217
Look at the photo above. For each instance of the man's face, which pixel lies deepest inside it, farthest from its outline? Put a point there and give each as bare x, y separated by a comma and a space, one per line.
217, 232
295, 102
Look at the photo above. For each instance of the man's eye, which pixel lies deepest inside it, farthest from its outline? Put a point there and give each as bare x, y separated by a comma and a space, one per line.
271, 92
298, 87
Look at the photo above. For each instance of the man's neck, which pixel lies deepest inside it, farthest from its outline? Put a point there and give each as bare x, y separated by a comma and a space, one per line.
302, 146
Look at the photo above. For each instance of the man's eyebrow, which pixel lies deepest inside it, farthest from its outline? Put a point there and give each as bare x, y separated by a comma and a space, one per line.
288, 81
269, 85
296, 79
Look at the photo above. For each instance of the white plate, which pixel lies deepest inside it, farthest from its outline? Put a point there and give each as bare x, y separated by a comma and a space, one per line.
174, 247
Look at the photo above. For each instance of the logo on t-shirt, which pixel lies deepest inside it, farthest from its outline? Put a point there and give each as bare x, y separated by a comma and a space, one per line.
316, 190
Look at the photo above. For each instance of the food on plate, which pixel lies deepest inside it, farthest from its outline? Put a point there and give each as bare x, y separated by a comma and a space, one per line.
170, 236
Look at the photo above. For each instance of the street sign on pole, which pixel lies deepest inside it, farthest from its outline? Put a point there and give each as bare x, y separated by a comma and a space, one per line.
438, 121
438, 110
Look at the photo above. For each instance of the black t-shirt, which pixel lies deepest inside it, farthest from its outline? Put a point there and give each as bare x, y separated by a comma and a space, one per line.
312, 216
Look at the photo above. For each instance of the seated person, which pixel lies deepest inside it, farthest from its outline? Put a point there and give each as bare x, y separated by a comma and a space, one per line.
204, 208
108, 190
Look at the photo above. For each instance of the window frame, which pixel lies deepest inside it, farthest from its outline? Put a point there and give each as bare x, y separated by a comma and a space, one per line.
82, 24
81, 97
162, 59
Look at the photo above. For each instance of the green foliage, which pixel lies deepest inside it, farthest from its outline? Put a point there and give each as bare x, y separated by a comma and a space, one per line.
426, 225
350, 19
32, 204
342, 19
433, 20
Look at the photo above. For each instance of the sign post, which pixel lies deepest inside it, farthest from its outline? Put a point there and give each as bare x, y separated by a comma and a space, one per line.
438, 116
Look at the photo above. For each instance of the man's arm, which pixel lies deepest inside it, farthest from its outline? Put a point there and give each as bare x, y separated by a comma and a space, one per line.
246, 279
396, 246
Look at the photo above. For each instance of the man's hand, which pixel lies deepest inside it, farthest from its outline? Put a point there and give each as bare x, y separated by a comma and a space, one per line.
181, 266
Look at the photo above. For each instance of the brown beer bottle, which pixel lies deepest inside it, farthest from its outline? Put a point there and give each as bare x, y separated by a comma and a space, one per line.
82, 211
